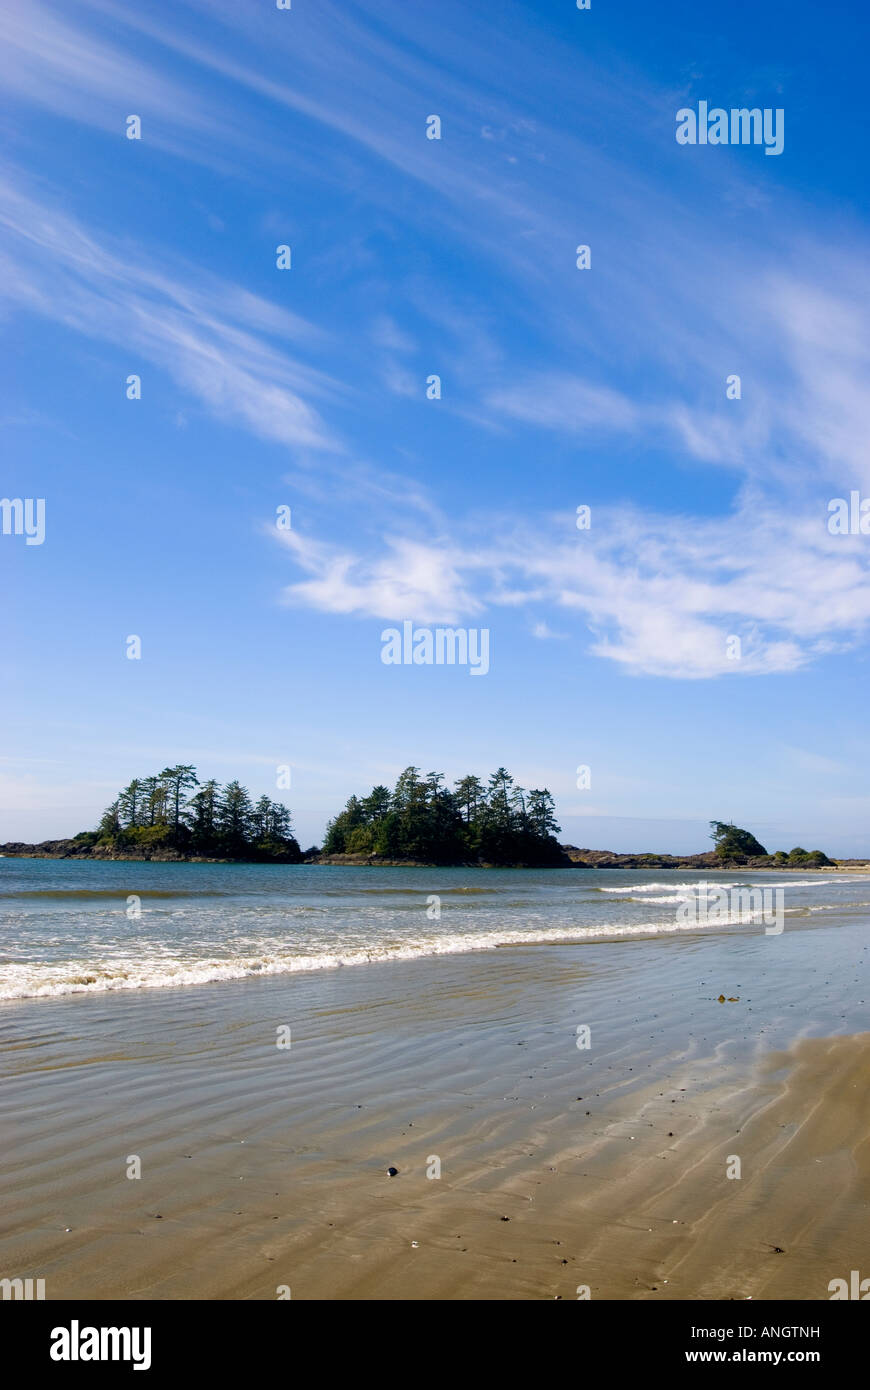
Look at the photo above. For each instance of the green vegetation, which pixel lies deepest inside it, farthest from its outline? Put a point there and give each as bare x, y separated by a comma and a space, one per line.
165, 813
802, 858
421, 819
173, 815
733, 843
730, 842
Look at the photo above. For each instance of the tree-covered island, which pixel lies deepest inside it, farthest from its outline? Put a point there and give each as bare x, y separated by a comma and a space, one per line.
496, 822
173, 816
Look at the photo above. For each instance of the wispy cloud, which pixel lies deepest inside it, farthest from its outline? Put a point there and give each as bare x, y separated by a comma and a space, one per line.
54, 61
409, 579
659, 595
214, 339
668, 306
671, 306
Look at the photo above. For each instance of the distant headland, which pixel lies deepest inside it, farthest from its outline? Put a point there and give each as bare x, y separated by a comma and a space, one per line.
172, 817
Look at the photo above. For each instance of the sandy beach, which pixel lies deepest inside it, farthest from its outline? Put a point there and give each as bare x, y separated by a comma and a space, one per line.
265, 1167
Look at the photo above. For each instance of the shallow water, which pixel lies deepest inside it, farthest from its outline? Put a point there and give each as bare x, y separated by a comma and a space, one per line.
265, 1165
70, 927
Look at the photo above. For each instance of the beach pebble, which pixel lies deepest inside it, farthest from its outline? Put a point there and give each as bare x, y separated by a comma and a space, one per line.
392, 1172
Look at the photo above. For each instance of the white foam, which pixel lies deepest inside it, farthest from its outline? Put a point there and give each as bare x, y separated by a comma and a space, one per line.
693, 886
628, 889
81, 977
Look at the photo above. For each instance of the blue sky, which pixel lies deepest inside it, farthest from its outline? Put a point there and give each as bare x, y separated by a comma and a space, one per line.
307, 388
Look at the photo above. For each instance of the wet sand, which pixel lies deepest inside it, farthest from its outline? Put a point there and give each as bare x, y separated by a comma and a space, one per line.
265, 1167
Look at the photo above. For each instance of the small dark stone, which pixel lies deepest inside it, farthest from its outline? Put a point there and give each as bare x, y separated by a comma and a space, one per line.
392, 1172
505, 1218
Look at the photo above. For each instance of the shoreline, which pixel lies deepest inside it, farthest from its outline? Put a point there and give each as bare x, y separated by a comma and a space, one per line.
264, 1167
625, 862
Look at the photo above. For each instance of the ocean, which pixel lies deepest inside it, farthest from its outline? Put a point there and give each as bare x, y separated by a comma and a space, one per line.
88, 927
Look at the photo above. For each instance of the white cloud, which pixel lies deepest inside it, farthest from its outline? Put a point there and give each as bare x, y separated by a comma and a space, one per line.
409, 580
209, 336
51, 62
660, 595
565, 403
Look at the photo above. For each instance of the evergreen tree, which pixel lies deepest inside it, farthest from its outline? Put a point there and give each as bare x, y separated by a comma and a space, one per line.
280, 824
158, 802
204, 812
147, 805
178, 781
110, 822
498, 801
131, 804
519, 818
731, 842
542, 813
261, 819
470, 797
424, 820
376, 805
420, 819
409, 792
235, 814
338, 830
154, 813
